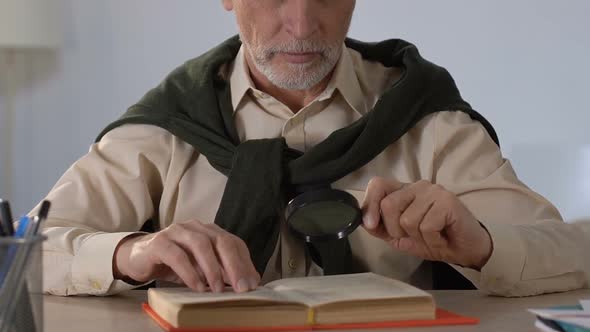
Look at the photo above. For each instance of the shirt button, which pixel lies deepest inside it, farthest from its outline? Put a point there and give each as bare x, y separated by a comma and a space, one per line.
96, 285
292, 264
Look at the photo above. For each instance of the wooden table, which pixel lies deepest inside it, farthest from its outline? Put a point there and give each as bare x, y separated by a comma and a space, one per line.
123, 312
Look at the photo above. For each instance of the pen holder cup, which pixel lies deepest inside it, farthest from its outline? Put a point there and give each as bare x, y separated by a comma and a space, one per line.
21, 284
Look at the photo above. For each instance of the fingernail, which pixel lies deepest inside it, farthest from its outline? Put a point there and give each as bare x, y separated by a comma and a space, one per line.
219, 286
242, 285
201, 287
253, 283
368, 221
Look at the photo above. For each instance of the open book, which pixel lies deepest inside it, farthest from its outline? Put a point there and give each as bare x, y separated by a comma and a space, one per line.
296, 302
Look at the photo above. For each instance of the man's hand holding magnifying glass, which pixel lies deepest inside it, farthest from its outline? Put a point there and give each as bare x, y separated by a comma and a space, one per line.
425, 220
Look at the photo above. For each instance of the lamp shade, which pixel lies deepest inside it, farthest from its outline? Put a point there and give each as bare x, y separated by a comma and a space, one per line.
30, 23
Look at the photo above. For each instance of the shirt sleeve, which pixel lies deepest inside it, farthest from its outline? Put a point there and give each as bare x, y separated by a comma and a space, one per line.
103, 197
534, 251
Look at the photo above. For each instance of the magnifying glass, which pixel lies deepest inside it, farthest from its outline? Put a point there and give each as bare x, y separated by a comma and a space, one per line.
323, 215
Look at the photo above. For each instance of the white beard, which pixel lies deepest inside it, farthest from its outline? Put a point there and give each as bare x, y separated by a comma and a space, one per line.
297, 76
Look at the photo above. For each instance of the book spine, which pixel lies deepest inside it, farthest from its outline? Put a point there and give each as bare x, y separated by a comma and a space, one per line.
310, 316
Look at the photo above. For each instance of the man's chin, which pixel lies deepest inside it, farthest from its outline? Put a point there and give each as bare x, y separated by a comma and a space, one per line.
296, 76
298, 58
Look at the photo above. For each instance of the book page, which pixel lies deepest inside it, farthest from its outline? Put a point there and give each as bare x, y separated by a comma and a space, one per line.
185, 296
315, 291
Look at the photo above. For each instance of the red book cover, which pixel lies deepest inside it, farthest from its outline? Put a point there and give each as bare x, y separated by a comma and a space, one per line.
443, 317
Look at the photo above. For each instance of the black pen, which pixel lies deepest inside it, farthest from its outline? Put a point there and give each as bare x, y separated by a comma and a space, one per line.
42, 215
6, 218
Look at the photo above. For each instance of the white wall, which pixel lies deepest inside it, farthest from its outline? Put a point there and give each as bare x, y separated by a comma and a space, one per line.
520, 63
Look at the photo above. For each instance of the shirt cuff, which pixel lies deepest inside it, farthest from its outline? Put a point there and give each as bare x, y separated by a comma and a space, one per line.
92, 267
504, 268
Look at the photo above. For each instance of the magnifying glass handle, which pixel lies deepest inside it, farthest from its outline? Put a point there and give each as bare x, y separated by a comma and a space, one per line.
335, 255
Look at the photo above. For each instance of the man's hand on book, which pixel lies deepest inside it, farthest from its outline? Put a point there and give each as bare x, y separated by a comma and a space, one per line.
425, 220
192, 253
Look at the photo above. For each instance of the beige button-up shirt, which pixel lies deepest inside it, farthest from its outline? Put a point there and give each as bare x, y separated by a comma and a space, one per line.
139, 172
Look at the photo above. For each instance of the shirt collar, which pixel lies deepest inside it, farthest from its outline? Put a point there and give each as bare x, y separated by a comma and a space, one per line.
240, 81
344, 80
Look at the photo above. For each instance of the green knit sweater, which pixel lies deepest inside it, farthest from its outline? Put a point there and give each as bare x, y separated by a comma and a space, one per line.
194, 104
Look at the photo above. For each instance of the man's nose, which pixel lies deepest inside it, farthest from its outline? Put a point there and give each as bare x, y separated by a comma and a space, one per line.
301, 21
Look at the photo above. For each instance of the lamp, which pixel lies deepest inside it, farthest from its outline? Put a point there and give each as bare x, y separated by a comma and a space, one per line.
25, 26
29, 24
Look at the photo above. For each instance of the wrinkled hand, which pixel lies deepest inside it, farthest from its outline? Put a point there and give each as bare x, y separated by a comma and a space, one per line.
425, 220
192, 253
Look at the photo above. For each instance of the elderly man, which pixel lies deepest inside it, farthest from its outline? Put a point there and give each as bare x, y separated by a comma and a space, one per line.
212, 154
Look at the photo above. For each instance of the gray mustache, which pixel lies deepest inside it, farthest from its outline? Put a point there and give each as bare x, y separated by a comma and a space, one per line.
301, 47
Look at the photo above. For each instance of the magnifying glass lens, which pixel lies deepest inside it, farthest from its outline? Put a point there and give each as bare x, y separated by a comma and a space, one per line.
323, 218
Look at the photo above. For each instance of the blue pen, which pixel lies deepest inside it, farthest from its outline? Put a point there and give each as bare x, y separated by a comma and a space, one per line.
23, 225
27, 228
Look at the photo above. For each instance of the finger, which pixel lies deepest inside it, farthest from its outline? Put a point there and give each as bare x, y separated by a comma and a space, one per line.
244, 253
165, 273
392, 208
172, 277
176, 258
377, 189
228, 252
226, 279
412, 247
201, 248
379, 232
432, 228
413, 216
407, 244
247, 260
241, 271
